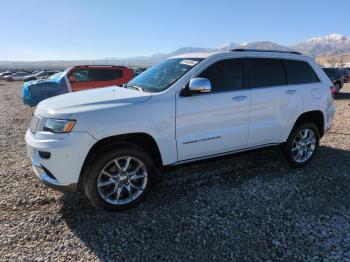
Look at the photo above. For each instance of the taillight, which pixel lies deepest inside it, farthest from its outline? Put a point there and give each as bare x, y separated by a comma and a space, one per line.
333, 90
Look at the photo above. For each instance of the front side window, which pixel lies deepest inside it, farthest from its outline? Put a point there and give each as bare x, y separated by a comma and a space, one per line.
81, 75
225, 75
268, 72
300, 72
163, 75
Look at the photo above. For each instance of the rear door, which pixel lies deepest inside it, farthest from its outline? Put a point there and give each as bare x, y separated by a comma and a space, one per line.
274, 102
215, 122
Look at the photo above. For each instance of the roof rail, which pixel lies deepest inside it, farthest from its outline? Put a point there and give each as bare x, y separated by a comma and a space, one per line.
100, 66
265, 50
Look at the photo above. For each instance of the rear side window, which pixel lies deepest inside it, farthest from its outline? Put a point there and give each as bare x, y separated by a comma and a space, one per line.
105, 74
268, 72
86, 75
225, 75
300, 72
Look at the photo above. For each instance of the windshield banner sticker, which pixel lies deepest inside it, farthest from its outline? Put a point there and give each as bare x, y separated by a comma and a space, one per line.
189, 62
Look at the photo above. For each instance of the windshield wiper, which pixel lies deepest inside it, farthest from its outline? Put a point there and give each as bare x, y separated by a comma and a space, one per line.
135, 87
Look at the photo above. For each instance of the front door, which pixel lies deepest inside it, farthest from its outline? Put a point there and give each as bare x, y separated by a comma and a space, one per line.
215, 122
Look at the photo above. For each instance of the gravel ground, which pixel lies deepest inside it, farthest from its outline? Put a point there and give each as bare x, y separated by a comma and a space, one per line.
245, 207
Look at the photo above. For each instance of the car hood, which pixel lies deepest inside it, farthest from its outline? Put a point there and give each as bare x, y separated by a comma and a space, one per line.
63, 106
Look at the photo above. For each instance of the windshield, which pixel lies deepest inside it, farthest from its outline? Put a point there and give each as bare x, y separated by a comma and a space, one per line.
57, 75
163, 75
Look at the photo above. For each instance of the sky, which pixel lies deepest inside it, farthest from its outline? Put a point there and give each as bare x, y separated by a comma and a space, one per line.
97, 29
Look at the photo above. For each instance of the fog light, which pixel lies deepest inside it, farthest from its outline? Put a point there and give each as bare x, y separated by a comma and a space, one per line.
45, 155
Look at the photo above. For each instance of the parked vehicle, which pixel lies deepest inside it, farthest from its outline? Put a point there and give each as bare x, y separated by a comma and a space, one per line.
111, 143
3, 74
35, 91
336, 77
39, 75
75, 79
86, 77
18, 76
346, 74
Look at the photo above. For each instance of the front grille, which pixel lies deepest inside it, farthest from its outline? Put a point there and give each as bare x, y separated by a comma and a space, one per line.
34, 124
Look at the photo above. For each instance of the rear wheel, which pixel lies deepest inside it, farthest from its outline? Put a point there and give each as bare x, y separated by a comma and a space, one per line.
302, 144
10, 79
119, 178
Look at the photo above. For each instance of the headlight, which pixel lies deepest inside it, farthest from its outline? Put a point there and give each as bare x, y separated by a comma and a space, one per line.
59, 125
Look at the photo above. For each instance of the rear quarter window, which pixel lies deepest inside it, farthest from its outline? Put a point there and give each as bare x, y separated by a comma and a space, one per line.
300, 72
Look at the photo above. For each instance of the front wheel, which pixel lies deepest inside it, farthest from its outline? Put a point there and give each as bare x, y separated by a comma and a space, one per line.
120, 178
302, 144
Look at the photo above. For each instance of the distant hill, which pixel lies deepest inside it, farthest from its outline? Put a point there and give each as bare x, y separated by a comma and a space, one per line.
334, 44
323, 46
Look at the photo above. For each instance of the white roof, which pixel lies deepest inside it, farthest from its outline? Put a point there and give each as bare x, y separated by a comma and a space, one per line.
198, 55
271, 54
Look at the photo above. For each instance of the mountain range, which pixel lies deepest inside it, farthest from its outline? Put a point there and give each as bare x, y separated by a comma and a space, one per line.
323, 46
333, 44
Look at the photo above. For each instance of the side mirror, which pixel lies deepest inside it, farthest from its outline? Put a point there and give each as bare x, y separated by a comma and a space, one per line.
71, 79
199, 85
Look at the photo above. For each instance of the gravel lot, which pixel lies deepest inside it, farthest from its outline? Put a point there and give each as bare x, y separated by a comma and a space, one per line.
245, 207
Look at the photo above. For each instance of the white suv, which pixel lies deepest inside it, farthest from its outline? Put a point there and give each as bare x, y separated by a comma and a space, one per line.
111, 142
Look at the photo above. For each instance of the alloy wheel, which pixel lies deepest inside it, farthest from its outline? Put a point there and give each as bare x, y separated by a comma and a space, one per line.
122, 180
304, 145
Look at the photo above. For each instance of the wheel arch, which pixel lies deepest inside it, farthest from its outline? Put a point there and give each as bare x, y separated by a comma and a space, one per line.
316, 117
143, 140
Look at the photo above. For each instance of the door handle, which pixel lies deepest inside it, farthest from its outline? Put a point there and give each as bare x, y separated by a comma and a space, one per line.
239, 98
290, 92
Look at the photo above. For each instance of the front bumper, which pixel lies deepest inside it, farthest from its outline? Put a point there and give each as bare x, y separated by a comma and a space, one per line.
26, 96
50, 181
61, 170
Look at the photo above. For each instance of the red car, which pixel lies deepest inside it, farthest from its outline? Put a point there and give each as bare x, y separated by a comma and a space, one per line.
75, 79
86, 77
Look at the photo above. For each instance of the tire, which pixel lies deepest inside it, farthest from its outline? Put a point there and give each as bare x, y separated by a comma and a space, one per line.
10, 79
119, 178
299, 150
